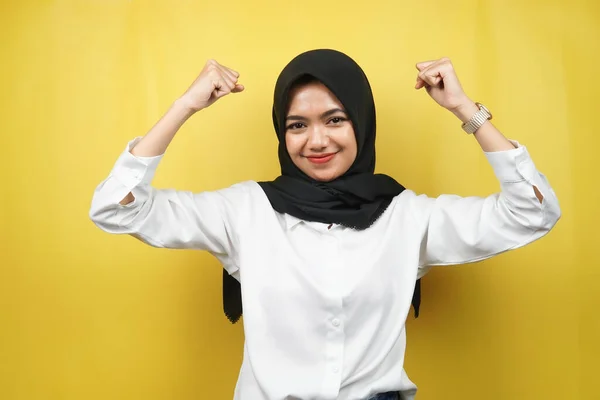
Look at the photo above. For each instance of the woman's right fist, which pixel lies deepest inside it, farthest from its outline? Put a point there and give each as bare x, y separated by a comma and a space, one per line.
215, 81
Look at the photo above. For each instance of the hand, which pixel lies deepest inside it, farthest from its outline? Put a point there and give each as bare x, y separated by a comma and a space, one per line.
215, 81
439, 79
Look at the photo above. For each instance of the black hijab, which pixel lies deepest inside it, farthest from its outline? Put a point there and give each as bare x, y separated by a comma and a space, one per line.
355, 199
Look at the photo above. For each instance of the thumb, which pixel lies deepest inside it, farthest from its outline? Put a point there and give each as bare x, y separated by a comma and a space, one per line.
238, 88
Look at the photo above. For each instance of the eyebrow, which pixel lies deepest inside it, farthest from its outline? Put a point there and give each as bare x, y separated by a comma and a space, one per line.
324, 115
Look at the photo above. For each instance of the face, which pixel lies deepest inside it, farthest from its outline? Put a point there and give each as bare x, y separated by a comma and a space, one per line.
319, 135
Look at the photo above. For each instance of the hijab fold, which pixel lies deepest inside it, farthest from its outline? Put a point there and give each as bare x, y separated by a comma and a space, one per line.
357, 198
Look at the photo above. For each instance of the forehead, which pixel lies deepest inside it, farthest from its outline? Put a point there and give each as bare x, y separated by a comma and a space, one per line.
312, 97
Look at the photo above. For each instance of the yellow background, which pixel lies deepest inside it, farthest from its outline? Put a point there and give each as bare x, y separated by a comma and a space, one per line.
87, 315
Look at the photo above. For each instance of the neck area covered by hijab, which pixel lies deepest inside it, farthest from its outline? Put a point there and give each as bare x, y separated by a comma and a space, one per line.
358, 197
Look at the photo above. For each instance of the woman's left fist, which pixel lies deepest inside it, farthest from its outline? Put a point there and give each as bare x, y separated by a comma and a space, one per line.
439, 79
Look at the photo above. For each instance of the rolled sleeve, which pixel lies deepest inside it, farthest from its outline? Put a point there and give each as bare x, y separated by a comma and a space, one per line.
516, 166
166, 217
504, 163
468, 229
132, 171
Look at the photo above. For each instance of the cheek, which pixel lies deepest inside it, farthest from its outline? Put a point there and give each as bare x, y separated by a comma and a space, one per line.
293, 143
349, 142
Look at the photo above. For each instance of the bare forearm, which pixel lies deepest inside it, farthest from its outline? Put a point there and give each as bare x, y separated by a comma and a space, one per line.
214, 82
156, 141
490, 139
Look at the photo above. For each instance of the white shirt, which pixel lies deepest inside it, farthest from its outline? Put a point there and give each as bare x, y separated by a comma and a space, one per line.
325, 308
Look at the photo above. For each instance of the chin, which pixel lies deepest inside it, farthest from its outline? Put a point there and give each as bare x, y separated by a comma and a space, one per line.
324, 176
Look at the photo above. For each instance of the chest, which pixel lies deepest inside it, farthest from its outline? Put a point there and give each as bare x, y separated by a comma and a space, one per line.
290, 261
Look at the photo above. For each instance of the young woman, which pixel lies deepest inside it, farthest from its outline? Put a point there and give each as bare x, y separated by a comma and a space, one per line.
329, 253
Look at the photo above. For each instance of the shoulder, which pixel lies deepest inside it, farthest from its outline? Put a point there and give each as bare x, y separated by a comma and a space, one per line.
411, 204
246, 204
243, 195
409, 198
242, 189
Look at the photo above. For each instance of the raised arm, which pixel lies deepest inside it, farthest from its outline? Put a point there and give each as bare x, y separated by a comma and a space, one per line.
460, 230
214, 82
126, 203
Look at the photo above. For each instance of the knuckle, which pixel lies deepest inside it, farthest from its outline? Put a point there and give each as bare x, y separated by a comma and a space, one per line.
226, 83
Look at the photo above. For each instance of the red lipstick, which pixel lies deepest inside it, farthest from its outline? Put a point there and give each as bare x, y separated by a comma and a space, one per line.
321, 158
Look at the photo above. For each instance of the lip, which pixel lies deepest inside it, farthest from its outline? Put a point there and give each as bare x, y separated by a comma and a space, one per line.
321, 158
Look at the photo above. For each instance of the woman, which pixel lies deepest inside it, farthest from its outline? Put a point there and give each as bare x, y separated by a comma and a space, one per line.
329, 253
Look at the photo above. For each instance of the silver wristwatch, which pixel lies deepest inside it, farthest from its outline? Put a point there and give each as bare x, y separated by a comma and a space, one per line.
477, 120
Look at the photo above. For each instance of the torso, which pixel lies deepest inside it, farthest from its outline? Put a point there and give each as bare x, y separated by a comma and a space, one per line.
325, 307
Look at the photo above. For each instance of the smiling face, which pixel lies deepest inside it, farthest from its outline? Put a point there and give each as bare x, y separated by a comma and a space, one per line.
319, 135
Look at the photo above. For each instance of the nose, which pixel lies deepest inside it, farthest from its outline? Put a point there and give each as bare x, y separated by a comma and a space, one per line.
318, 138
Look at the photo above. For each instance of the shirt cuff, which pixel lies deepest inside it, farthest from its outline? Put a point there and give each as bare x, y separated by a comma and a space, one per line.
509, 164
132, 170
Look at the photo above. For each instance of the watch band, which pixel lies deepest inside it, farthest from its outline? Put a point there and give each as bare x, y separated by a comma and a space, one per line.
477, 119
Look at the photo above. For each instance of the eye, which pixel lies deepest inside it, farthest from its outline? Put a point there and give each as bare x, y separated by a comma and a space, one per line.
337, 120
295, 125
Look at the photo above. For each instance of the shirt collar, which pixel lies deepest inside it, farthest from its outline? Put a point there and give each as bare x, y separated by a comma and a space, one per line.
291, 221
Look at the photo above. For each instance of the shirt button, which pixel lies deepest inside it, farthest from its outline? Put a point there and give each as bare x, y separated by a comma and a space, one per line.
336, 322
335, 370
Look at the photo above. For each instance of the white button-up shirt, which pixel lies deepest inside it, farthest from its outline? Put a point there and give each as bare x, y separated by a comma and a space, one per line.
325, 306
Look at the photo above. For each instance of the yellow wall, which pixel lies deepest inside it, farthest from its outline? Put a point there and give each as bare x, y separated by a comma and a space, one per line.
87, 315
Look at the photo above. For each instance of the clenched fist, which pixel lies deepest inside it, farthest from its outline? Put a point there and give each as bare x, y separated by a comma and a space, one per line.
439, 78
215, 81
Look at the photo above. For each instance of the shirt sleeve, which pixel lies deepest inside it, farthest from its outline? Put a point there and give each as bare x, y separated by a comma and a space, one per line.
167, 218
468, 229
